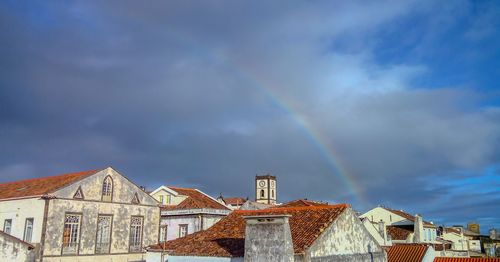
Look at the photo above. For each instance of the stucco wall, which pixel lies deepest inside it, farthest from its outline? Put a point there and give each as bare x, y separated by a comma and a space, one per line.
18, 211
347, 240
14, 250
193, 222
120, 208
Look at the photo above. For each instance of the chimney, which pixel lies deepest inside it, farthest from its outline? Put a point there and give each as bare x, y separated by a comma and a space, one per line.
418, 229
382, 230
268, 238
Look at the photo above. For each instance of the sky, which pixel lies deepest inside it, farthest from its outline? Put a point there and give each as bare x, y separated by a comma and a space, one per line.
393, 103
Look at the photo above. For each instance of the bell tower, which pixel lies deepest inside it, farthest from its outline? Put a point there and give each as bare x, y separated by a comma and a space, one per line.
265, 189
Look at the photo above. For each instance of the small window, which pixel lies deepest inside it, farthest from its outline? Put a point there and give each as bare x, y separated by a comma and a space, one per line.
71, 234
7, 226
135, 243
78, 194
163, 233
103, 241
135, 199
162, 200
390, 218
28, 230
183, 230
272, 193
262, 193
107, 189
167, 201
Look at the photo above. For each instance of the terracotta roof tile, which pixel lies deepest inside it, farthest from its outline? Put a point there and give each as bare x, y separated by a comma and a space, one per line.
235, 200
301, 203
406, 253
195, 200
466, 259
398, 233
40, 186
227, 237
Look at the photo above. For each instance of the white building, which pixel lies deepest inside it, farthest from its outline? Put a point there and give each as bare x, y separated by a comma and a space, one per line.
96, 215
401, 227
186, 210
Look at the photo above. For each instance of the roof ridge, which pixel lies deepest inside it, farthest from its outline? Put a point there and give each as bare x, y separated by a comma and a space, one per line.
272, 210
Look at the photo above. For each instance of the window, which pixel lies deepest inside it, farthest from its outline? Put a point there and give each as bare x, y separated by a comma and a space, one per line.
135, 199
162, 200
28, 230
7, 226
272, 193
183, 230
71, 233
78, 194
135, 243
103, 241
390, 218
107, 189
262, 193
167, 200
163, 233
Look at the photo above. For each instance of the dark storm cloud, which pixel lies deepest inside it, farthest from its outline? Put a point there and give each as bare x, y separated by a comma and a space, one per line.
208, 94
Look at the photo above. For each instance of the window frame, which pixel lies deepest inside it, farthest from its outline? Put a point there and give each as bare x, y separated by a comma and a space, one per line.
26, 229
5, 225
164, 235
110, 233
181, 226
104, 198
80, 222
141, 235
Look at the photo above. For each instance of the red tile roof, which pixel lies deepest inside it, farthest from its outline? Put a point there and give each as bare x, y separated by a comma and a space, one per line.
302, 203
28, 245
466, 259
234, 200
406, 253
408, 216
398, 233
227, 237
40, 186
195, 200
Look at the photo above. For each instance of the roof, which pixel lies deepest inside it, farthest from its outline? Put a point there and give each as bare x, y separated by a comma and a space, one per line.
196, 200
227, 237
30, 246
466, 259
407, 216
302, 202
406, 252
398, 233
452, 230
40, 186
234, 200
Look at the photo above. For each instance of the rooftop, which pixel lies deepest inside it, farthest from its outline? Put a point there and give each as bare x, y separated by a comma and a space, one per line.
406, 252
227, 237
196, 200
40, 186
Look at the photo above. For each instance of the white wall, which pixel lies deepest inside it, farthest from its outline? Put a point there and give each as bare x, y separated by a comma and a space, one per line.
389, 218
173, 223
11, 249
18, 211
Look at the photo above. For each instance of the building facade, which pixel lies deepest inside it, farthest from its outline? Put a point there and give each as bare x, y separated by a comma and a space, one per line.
266, 189
96, 215
186, 210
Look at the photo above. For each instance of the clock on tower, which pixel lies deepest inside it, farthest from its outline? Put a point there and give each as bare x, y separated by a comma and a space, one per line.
265, 189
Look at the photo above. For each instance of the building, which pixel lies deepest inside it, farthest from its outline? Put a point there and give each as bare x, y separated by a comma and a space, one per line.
233, 203
301, 233
474, 227
266, 189
15, 249
410, 253
97, 215
186, 210
403, 227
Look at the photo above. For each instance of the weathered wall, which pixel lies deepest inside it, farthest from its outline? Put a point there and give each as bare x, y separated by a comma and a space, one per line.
373, 230
268, 239
18, 211
123, 189
11, 249
138, 257
120, 208
347, 240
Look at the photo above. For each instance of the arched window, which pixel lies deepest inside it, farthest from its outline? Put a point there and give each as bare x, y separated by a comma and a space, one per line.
107, 189
262, 193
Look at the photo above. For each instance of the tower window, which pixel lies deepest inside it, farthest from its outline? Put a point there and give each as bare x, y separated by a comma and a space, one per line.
107, 189
262, 193
272, 193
